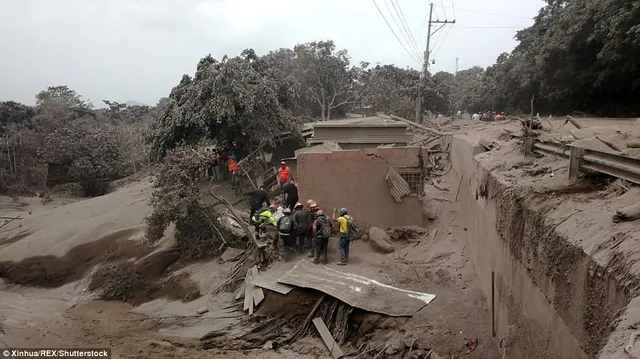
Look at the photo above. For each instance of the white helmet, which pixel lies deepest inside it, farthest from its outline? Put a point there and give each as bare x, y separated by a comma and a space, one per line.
286, 210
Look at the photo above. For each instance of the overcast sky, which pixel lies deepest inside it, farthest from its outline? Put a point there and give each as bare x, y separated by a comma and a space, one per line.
125, 50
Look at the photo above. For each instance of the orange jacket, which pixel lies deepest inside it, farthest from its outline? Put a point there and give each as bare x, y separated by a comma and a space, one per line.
283, 173
232, 165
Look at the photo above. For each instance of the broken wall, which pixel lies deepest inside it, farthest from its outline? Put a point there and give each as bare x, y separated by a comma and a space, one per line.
357, 180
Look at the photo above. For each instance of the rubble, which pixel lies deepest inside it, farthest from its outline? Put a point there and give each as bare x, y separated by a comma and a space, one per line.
380, 240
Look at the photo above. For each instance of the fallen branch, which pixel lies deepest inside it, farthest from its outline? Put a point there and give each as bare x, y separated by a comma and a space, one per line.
424, 127
633, 144
573, 122
609, 144
237, 216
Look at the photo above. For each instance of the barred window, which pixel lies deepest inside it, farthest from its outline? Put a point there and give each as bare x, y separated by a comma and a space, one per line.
413, 177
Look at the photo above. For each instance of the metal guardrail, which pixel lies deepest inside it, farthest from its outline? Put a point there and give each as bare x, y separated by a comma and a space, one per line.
582, 158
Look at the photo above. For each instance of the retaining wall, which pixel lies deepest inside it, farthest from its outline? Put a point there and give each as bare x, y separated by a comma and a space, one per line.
551, 299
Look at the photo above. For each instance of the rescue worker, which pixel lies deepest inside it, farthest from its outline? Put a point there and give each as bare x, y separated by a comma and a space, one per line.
290, 194
322, 232
232, 167
312, 208
303, 221
286, 229
284, 173
258, 199
263, 218
343, 237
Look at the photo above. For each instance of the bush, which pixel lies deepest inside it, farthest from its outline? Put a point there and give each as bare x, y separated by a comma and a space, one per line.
91, 157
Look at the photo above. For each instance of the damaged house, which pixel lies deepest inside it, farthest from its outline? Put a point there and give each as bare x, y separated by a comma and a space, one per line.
366, 166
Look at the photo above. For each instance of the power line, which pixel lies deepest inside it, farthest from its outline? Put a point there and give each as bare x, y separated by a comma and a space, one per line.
492, 13
415, 52
490, 27
406, 25
453, 7
435, 53
394, 33
406, 34
443, 9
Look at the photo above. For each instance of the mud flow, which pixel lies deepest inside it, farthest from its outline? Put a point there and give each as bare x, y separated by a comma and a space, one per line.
511, 260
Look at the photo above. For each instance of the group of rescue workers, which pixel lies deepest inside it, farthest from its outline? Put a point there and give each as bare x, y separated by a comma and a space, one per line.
297, 227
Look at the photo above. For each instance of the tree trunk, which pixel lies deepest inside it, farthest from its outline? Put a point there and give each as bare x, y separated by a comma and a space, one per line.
328, 113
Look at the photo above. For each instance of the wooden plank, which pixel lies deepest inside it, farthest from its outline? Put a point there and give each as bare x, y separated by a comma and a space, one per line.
258, 294
327, 338
272, 285
248, 296
239, 294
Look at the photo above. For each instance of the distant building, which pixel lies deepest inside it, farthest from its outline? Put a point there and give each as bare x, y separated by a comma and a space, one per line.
367, 132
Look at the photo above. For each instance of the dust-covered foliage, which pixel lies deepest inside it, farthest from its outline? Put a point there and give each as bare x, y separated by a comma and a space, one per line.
176, 198
63, 140
577, 56
89, 156
226, 101
121, 281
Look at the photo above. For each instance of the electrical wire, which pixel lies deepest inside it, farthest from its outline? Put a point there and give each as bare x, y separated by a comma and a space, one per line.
453, 8
443, 9
406, 26
490, 27
404, 33
396, 36
435, 53
492, 13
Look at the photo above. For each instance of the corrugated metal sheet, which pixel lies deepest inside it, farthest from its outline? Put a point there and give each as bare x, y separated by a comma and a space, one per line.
398, 187
357, 291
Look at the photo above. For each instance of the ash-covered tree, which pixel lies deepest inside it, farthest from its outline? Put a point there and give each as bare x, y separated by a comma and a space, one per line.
325, 75
90, 157
394, 90
227, 101
577, 56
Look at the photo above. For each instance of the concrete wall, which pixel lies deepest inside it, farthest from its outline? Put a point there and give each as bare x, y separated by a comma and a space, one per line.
376, 134
523, 312
356, 180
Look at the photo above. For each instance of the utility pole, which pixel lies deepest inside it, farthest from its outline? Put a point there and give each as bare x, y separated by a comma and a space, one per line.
457, 65
425, 68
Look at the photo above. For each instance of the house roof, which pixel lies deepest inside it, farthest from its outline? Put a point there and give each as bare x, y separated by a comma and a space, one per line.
324, 147
373, 121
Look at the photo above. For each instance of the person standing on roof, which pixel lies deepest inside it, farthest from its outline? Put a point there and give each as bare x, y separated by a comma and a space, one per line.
345, 223
259, 198
322, 232
303, 221
286, 229
284, 173
290, 194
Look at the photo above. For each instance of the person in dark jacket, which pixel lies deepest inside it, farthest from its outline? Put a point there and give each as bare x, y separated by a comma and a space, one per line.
303, 220
259, 198
286, 229
322, 232
290, 193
